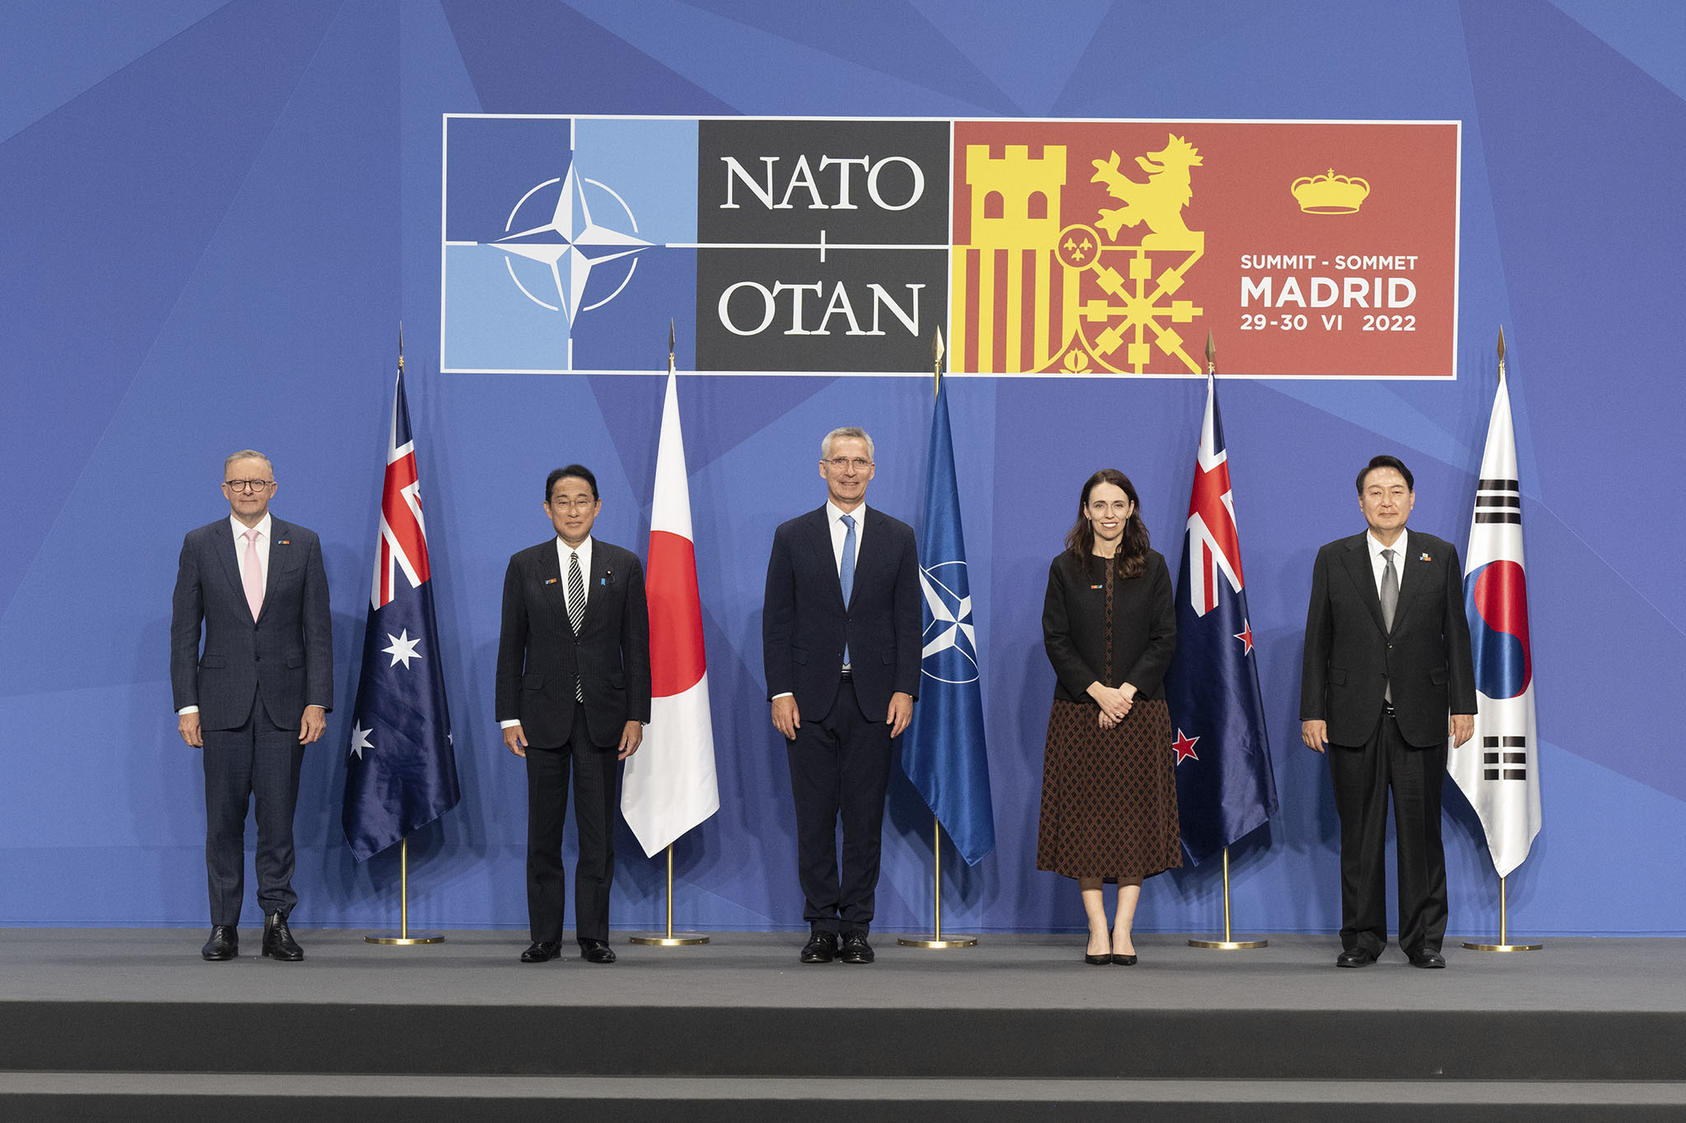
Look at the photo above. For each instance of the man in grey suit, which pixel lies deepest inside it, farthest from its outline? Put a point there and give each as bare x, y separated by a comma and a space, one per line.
255, 696
841, 639
1387, 677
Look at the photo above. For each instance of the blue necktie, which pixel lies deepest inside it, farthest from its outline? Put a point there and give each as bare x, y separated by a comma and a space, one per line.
846, 571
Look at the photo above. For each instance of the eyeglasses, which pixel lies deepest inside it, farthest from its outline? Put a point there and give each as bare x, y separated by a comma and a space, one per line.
844, 463
573, 504
248, 485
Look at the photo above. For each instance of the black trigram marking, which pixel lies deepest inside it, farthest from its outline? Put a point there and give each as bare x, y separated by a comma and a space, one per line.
1503, 504
1504, 765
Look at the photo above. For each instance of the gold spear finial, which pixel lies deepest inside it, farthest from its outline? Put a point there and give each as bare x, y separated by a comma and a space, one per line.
1211, 354
936, 361
670, 337
400, 346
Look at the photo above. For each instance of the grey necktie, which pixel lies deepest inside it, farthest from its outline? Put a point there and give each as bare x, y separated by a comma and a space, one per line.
1390, 589
576, 609
1390, 603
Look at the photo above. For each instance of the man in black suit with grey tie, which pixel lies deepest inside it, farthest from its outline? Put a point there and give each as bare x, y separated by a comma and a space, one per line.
1387, 677
841, 639
573, 692
255, 696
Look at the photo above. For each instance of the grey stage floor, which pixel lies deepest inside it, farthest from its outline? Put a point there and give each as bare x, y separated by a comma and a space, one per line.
760, 969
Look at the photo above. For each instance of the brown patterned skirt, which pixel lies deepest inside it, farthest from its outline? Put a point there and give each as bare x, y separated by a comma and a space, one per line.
1109, 796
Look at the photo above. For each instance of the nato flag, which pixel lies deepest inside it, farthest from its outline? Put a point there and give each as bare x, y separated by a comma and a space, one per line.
1225, 786
400, 771
943, 749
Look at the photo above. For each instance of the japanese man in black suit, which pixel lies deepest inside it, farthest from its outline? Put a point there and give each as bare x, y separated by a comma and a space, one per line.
573, 692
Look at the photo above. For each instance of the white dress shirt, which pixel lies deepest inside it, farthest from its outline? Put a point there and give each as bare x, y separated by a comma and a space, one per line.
1378, 564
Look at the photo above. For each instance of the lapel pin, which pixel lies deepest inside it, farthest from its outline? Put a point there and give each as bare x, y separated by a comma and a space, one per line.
550, 580
286, 541
1424, 557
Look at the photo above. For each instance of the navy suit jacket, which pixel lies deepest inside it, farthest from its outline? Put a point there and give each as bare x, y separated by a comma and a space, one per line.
539, 655
805, 624
285, 657
1350, 658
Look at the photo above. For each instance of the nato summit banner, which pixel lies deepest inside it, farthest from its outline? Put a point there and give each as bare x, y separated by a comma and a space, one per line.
1052, 248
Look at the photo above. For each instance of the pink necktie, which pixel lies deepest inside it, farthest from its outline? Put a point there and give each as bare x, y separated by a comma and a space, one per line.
250, 575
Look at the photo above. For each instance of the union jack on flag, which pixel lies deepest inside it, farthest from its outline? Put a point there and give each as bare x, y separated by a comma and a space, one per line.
1225, 785
400, 769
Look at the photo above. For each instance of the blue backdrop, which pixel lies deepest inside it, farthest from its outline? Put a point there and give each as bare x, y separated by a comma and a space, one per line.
215, 215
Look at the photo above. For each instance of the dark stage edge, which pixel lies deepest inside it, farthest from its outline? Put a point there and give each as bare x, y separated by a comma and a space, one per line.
131, 1024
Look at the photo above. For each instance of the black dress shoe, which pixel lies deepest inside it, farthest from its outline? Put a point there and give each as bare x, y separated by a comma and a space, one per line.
1097, 960
856, 949
1427, 958
1354, 957
541, 951
223, 944
596, 951
278, 942
1124, 960
820, 948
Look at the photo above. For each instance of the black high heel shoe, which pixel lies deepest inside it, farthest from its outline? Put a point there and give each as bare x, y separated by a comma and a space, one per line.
1097, 960
1123, 960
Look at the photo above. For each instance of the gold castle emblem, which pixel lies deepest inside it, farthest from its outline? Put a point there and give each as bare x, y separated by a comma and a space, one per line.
1330, 193
1047, 295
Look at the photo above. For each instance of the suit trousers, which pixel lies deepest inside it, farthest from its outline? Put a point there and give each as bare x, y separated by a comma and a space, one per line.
1362, 776
596, 789
839, 769
258, 759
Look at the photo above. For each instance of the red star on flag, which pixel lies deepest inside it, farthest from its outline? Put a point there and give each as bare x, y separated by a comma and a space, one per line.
1245, 635
1183, 746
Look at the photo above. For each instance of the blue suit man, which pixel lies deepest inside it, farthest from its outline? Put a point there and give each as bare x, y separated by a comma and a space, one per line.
841, 638
255, 695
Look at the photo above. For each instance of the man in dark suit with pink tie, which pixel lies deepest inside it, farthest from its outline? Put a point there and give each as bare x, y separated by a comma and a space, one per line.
256, 694
841, 639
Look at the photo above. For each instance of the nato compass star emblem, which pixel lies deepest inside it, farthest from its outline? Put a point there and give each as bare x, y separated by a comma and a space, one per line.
950, 629
571, 243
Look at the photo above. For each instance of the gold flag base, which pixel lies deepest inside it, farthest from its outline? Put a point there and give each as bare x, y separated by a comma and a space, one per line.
404, 939
938, 942
671, 940
1227, 943
1504, 943
1473, 946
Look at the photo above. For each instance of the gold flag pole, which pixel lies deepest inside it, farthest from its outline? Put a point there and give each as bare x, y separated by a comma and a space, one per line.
670, 939
402, 936
1229, 942
937, 939
1504, 943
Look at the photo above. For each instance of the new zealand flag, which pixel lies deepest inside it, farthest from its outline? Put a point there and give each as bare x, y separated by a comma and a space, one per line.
400, 771
1225, 786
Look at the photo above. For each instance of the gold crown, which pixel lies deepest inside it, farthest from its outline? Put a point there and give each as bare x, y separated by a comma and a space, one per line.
1330, 193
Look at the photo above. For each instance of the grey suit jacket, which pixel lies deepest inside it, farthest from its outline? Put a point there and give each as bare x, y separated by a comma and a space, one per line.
285, 658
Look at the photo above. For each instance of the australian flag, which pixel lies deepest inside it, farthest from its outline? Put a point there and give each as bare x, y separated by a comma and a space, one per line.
943, 749
1225, 786
400, 772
